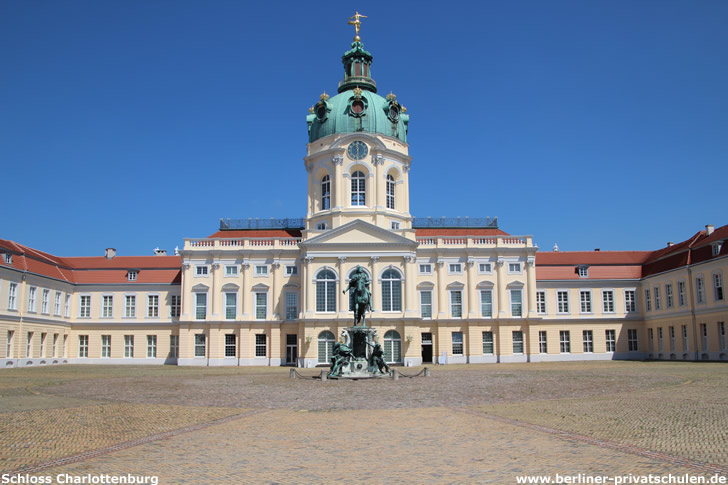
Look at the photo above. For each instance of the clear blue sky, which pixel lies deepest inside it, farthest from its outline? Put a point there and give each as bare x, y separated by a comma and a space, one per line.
137, 123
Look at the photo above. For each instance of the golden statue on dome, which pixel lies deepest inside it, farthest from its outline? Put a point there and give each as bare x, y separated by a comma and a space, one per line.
357, 24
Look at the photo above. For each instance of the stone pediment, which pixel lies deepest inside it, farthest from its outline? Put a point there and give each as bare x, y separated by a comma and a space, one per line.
359, 233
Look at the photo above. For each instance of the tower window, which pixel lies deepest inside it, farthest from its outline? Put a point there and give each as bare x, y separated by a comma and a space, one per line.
358, 189
390, 192
325, 193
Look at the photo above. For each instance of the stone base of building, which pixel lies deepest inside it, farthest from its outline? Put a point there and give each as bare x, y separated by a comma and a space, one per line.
10, 363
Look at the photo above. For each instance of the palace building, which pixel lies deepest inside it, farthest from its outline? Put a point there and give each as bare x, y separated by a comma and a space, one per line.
270, 292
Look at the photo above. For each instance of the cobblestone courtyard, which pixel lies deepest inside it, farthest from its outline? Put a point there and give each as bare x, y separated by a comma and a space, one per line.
464, 424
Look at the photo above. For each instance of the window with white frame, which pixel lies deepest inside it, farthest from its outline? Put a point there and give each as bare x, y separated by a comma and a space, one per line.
9, 344
395, 225
565, 341
231, 271
358, 189
31, 298
260, 345
200, 345
201, 270
514, 268
487, 343
517, 342
325, 193
128, 346
685, 346
12, 296
291, 305
129, 306
83, 345
392, 347
516, 302
457, 343
541, 302
230, 345
632, 340
200, 306
585, 301
45, 301
651, 338
261, 305
174, 346
583, 271
562, 301
716, 247
326, 341
152, 306
455, 268
107, 306
106, 346
426, 303
668, 295
543, 347
658, 298
261, 270
608, 301
84, 310
485, 268
648, 300
721, 336
57, 304
671, 331
8, 258
391, 291
486, 303
29, 344
175, 305
390, 192
425, 268
291, 270
699, 289
55, 343
588, 339
718, 286
681, 293
151, 346
660, 344
704, 335
131, 275
42, 344
610, 337
67, 306
231, 306
321, 226
630, 301
325, 291
456, 303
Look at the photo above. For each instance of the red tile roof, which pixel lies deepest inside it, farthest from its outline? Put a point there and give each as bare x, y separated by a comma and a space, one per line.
603, 265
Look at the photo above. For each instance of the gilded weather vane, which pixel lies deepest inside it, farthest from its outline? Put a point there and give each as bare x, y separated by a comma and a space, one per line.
357, 24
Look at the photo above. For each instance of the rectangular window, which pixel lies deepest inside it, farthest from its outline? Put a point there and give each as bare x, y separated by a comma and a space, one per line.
55, 344
291, 270
457, 343
488, 343
130, 306
63, 350
514, 268
456, 303
486, 303
681, 293
699, 289
151, 346
231, 306
29, 344
175, 306
660, 344
261, 306
261, 270
200, 306
610, 336
231, 271
132, 275
668, 295
562, 298
658, 298
291, 306
425, 268
517, 342
632, 340
200, 345
648, 300
585, 300
455, 268
260, 345
485, 268
583, 271
704, 335
67, 307
9, 344
516, 303
565, 341
83, 345
201, 270
651, 338
152, 306
608, 301
588, 341
12, 296
671, 331
630, 301
8, 258
42, 344
685, 338
174, 346
230, 345
718, 286
128, 346
426, 304
542, 342
45, 301
541, 302
31, 299
108, 306
106, 346
85, 307
721, 336
57, 304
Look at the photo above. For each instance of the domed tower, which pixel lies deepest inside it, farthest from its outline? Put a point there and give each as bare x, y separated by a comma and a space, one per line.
357, 155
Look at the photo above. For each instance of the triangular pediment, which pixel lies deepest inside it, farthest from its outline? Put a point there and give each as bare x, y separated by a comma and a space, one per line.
358, 233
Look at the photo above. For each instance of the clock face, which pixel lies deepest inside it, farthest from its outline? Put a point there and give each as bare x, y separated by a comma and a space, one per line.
357, 150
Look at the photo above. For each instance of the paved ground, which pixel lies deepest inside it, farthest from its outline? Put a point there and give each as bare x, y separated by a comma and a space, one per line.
465, 424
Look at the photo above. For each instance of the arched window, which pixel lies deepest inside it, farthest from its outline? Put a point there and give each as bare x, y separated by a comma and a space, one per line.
390, 192
358, 188
391, 291
326, 291
326, 342
325, 193
392, 347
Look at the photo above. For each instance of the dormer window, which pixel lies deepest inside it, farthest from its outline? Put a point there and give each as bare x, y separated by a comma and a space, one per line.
8, 257
717, 247
132, 275
583, 271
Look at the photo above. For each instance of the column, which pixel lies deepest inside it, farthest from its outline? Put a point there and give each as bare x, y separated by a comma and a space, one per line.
245, 292
306, 284
214, 290
337, 184
275, 344
440, 290
376, 302
501, 287
472, 294
410, 295
378, 161
531, 288
186, 293
342, 298
276, 291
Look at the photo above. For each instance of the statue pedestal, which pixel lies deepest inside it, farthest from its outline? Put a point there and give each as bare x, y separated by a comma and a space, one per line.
360, 340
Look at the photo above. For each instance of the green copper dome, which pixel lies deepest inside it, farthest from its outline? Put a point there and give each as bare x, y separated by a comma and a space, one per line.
357, 107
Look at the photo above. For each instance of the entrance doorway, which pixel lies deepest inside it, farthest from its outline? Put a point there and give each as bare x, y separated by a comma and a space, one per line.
291, 348
426, 348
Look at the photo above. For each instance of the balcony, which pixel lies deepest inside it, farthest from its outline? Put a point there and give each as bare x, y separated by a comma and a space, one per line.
243, 243
436, 242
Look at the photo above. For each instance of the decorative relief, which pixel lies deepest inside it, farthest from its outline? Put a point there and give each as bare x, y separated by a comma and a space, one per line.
338, 160
378, 160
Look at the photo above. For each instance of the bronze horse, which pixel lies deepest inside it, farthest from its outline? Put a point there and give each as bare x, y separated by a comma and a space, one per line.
361, 296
